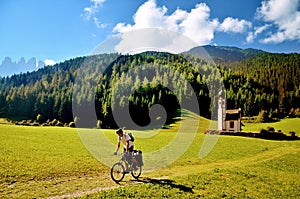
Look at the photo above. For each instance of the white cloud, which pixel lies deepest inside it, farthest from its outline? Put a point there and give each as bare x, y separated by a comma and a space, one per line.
234, 25
198, 26
49, 62
90, 11
276, 10
284, 15
250, 37
148, 15
195, 24
258, 30
173, 21
98, 24
153, 39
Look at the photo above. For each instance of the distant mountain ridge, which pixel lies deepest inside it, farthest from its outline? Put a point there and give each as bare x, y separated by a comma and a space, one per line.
225, 53
219, 54
9, 67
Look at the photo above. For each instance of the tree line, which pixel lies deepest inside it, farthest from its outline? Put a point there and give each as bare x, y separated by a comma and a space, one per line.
269, 82
112, 82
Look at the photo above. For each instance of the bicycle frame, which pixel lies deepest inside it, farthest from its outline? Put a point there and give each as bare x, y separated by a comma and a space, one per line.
118, 169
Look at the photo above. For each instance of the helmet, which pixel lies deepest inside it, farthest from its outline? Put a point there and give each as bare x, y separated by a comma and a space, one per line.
119, 131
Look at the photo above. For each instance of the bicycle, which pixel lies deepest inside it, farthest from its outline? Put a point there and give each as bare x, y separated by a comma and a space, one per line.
118, 172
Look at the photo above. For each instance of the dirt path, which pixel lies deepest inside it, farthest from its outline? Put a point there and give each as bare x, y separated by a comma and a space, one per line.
194, 169
82, 193
123, 184
241, 162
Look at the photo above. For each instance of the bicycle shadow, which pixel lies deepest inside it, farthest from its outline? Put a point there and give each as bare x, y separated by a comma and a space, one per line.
166, 182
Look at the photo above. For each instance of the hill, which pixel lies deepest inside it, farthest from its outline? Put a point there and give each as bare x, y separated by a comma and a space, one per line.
48, 91
100, 83
275, 82
224, 53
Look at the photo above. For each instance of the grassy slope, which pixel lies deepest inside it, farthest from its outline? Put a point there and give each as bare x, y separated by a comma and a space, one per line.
237, 167
45, 161
285, 125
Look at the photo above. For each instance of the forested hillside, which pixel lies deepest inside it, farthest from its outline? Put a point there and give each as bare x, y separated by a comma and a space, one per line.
266, 81
46, 92
221, 54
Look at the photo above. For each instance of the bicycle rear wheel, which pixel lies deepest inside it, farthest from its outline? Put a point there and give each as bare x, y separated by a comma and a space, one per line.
137, 172
117, 172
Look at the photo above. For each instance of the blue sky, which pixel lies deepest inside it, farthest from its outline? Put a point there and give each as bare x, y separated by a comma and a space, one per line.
60, 30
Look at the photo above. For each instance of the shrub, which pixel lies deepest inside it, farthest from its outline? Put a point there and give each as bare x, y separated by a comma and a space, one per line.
24, 123
270, 129
53, 122
35, 124
58, 123
72, 124
262, 116
264, 131
99, 124
39, 118
293, 134
297, 112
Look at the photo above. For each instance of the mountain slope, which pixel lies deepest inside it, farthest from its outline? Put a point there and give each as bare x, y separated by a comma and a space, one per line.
9, 67
267, 81
225, 53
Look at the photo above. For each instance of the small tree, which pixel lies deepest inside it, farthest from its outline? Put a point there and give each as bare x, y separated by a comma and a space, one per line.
99, 124
72, 124
39, 118
293, 134
297, 112
262, 116
76, 120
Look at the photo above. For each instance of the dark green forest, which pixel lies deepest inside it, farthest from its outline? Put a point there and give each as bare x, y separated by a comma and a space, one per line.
111, 82
269, 82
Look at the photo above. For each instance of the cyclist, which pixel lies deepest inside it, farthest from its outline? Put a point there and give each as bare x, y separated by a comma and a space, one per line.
128, 146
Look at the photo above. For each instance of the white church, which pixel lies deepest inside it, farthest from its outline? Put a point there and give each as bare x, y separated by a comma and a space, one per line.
228, 120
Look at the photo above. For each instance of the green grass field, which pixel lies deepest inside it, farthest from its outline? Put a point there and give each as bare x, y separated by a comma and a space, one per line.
41, 162
285, 125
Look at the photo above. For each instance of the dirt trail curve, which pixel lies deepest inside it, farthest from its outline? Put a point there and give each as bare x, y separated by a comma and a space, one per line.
82, 193
127, 183
194, 169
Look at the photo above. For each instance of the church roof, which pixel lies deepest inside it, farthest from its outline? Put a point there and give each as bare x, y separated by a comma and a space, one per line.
233, 114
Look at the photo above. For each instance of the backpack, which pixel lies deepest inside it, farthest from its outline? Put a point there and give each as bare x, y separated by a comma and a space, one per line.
131, 137
139, 157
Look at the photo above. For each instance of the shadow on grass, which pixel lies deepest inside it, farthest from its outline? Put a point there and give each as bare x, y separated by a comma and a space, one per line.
166, 182
180, 115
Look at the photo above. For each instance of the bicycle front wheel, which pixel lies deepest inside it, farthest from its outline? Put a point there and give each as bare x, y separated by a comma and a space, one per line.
136, 172
117, 172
